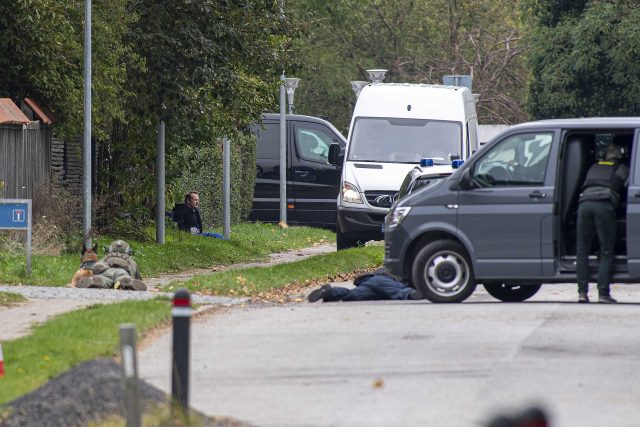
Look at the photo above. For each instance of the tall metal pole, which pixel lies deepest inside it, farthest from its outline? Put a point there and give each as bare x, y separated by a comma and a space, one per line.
160, 181
226, 187
86, 151
283, 153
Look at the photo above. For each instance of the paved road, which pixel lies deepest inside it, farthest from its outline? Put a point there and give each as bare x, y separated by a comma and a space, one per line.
414, 363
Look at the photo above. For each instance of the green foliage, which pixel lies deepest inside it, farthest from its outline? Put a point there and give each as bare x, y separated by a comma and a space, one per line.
71, 338
252, 281
418, 42
585, 65
42, 51
8, 299
181, 251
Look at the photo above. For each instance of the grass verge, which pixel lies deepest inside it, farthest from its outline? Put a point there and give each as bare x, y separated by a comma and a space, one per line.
8, 299
71, 338
160, 416
181, 251
257, 280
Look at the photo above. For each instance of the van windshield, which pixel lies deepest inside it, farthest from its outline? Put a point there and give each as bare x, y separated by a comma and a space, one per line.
405, 140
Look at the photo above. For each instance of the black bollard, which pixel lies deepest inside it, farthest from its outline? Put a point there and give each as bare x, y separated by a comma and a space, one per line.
180, 364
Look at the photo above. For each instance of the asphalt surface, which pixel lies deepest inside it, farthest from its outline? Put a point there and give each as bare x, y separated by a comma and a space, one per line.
396, 363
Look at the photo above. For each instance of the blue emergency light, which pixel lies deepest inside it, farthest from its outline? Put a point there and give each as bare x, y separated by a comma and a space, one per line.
426, 162
456, 163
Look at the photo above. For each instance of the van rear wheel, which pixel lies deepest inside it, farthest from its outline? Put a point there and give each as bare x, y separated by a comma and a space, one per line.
442, 272
511, 293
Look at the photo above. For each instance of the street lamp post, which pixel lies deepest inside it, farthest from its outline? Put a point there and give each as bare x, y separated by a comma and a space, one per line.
283, 153
291, 83
376, 75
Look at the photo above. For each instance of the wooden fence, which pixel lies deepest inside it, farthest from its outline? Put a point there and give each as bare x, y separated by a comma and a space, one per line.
25, 159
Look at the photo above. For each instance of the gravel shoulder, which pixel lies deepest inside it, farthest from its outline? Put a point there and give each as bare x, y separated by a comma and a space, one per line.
45, 302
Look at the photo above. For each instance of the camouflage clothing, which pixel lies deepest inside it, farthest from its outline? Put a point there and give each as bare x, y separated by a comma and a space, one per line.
116, 270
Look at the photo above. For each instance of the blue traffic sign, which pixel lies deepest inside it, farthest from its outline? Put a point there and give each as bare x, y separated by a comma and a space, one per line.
14, 216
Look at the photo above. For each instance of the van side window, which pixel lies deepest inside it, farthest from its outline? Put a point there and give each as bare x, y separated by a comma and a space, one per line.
268, 145
519, 160
312, 142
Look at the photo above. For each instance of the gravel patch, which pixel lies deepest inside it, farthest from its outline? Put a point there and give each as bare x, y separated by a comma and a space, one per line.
91, 391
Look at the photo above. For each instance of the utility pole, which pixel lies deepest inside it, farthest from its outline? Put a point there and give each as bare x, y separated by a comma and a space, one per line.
86, 150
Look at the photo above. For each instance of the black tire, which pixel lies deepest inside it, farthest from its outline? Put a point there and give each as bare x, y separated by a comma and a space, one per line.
511, 293
443, 273
344, 243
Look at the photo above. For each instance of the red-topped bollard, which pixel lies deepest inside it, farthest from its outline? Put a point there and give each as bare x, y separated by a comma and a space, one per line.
181, 313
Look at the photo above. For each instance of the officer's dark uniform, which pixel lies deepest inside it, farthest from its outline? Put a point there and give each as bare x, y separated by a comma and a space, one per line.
597, 209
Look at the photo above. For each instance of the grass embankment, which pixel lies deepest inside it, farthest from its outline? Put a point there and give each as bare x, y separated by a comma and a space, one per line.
8, 299
180, 252
71, 338
254, 281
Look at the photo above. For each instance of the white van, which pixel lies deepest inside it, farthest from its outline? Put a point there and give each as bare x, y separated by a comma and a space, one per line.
394, 126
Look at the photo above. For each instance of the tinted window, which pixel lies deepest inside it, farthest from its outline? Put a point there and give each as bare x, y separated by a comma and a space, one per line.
519, 160
312, 142
268, 145
405, 140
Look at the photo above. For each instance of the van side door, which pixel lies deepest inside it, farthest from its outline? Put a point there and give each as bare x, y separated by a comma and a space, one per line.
266, 193
315, 181
633, 211
506, 216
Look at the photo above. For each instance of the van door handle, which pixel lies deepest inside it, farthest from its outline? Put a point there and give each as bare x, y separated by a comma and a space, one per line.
302, 173
537, 195
636, 195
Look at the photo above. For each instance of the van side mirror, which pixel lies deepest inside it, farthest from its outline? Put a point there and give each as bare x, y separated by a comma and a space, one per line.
336, 155
464, 183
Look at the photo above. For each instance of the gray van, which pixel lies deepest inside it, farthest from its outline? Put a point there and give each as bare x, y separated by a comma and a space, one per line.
507, 217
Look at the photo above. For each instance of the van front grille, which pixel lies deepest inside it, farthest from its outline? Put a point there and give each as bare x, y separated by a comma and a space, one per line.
367, 166
372, 195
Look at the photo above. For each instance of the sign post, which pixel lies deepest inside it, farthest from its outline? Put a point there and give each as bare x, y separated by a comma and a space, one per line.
15, 214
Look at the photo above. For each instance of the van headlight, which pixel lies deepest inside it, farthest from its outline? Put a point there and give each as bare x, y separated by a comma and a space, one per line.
395, 216
350, 193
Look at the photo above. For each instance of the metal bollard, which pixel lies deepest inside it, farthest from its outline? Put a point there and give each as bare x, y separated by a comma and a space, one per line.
180, 364
130, 375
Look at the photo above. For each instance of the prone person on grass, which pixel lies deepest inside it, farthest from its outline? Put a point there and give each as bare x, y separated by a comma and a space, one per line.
116, 270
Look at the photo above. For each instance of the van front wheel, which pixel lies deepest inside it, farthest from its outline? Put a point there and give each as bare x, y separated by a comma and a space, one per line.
442, 272
344, 243
511, 293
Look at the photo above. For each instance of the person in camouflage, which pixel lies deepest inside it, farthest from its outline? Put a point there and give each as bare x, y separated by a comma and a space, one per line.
116, 270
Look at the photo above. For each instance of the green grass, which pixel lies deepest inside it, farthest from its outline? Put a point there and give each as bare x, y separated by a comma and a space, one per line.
252, 281
180, 252
71, 338
8, 299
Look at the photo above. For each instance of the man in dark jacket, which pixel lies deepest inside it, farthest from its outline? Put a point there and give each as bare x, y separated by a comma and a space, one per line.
187, 214
597, 214
374, 286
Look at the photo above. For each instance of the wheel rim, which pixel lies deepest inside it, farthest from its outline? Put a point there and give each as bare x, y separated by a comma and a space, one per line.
446, 273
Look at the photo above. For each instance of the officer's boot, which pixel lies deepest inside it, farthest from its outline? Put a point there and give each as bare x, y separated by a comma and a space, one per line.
85, 282
131, 284
100, 282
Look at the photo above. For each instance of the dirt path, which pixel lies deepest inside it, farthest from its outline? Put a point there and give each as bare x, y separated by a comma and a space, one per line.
45, 302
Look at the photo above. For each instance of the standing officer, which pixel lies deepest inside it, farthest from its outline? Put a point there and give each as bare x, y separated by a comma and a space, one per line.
598, 204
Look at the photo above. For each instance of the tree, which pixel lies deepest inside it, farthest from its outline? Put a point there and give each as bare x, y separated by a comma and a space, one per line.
583, 59
41, 55
419, 41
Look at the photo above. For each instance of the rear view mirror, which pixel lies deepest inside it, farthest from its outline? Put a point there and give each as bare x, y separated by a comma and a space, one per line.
336, 154
464, 183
